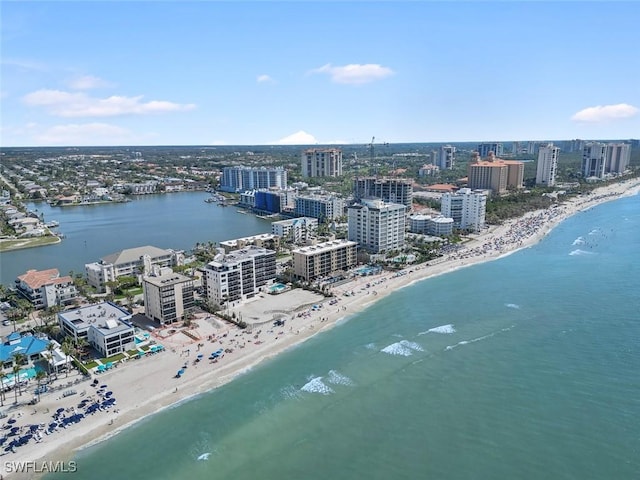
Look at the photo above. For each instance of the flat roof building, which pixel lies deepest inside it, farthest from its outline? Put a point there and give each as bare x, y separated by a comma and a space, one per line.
377, 226
168, 296
321, 162
105, 326
324, 259
239, 275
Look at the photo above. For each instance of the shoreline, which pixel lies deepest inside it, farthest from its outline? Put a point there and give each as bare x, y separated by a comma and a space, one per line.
146, 386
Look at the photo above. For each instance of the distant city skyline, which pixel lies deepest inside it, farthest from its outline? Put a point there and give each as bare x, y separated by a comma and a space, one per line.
306, 73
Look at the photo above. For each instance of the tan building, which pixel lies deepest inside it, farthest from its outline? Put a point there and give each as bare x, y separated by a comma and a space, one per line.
168, 296
324, 259
494, 174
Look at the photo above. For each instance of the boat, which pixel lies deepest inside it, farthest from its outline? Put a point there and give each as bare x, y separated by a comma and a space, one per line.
52, 224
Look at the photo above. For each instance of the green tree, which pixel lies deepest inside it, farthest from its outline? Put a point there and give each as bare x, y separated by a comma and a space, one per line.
2, 396
67, 349
39, 376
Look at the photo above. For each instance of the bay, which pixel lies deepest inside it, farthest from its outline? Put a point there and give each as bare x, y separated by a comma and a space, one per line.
177, 221
524, 367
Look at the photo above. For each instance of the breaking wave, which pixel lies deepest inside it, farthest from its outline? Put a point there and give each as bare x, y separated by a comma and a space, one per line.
337, 378
512, 305
578, 241
316, 385
580, 252
403, 348
441, 329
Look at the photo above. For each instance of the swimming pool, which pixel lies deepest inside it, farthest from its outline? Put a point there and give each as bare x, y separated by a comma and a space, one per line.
277, 288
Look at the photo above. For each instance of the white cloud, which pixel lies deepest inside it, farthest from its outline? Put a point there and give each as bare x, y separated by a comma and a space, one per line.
264, 79
85, 134
355, 74
87, 82
79, 104
298, 138
604, 113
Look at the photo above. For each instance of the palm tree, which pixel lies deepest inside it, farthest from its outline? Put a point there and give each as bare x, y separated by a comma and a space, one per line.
39, 376
67, 348
81, 344
50, 348
18, 360
2, 377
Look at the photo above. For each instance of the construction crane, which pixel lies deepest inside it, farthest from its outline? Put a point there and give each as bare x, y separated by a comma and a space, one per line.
372, 154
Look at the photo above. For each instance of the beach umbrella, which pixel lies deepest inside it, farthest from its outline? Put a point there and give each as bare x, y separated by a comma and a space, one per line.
103, 386
108, 394
33, 428
11, 421
60, 410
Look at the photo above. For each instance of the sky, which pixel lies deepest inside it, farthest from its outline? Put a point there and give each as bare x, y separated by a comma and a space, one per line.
302, 72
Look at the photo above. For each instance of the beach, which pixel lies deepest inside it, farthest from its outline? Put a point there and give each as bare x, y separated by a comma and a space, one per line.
143, 387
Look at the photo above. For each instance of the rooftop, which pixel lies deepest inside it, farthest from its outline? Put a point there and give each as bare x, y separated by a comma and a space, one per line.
105, 316
26, 345
37, 278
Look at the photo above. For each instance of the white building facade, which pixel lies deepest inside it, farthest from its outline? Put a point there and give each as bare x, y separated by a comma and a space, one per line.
377, 226
447, 157
547, 165
438, 226
466, 207
239, 275
239, 179
594, 160
295, 230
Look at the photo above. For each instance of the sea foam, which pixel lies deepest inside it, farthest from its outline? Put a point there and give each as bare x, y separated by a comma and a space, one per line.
578, 241
316, 385
512, 305
337, 378
403, 348
441, 329
580, 252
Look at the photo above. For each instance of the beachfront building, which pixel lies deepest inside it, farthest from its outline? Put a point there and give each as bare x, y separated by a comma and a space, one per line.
239, 275
105, 326
439, 226
46, 288
377, 226
324, 259
494, 174
547, 165
618, 157
264, 240
321, 162
324, 208
392, 190
295, 230
485, 148
33, 348
594, 160
446, 157
466, 207
240, 178
129, 262
168, 296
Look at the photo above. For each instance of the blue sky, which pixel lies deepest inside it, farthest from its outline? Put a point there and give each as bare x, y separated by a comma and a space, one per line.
241, 73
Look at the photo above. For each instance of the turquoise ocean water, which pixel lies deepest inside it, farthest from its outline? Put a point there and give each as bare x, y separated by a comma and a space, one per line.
530, 371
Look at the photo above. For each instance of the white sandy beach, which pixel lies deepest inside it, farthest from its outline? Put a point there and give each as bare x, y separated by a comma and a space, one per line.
145, 386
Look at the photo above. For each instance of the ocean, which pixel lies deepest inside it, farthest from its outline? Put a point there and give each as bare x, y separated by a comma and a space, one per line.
525, 367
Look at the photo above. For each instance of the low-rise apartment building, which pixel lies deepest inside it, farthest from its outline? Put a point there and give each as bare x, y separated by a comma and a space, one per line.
324, 259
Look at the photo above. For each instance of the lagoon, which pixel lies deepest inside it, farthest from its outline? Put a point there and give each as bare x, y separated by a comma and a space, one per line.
175, 220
